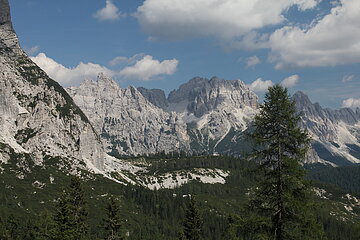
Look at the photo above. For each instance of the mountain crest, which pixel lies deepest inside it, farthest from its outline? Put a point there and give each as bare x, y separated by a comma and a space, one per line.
5, 17
202, 95
7, 34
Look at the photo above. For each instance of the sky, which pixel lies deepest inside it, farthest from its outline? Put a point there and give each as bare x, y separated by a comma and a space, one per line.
307, 45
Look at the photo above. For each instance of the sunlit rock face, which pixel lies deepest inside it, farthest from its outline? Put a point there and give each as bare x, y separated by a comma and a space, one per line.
335, 133
142, 121
128, 123
37, 116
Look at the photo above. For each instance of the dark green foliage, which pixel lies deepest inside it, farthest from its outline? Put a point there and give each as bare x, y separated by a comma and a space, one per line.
71, 214
146, 214
112, 222
283, 196
347, 178
193, 221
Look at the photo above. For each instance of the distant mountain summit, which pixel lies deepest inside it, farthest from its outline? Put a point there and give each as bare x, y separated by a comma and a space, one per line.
336, 133
202, 95
128, 123
38, 119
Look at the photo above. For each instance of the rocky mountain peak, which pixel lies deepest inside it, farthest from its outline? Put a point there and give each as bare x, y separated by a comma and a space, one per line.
155, 96
37, 116
7, 33
302, 99
202, 95
5, 17
128, 123
106, 82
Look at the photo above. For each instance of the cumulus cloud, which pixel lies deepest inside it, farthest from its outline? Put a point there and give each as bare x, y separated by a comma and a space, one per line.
32, 51
332, 40
291, 81
69, 76
222, 19
109, 13
144, 69
348, 78
260, 86
147, 68
127, 60
351, 103
252, 61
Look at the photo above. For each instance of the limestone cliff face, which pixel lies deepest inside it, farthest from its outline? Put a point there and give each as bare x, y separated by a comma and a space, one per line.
155, 96
202, 95
141, 121
129, 124
37, 116
336, 133
5, 17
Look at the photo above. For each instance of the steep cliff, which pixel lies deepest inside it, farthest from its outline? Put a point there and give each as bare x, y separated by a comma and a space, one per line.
37, 116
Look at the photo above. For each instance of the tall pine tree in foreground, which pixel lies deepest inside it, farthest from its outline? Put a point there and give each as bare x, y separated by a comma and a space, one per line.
71, 217
112, 221
193, 222
282, 201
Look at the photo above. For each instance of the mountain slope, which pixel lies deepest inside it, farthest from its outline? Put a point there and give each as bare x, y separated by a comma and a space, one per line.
195, 118
335, 133
128, 123
37, 116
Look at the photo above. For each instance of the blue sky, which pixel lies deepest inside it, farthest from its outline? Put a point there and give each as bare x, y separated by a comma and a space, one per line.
313, 44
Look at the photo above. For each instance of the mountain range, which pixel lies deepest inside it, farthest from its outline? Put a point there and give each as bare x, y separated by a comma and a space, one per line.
94, 125
205, 116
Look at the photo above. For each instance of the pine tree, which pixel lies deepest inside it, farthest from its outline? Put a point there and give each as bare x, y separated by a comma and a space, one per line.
283, 196
231, 230
4, 231
193, 222
70, 218
112, 221
44, 227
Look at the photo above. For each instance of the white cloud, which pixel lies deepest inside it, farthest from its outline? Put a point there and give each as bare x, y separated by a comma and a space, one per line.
348, 78
332, 40
147, 68
351, 103
127, 60
69, 76
252, 61
222, 19
260, 86
118, 60
109, 13
143, 69
32, 51
291, 81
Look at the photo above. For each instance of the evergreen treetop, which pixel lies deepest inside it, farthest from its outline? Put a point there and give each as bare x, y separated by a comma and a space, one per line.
283, 196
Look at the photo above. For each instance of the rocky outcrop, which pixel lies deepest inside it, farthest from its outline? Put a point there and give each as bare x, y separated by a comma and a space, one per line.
37, 116
129, 124
336, 133
323, 122
155, 96
7, 33
5, 17
201, 95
